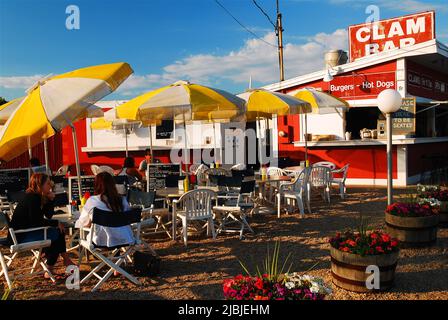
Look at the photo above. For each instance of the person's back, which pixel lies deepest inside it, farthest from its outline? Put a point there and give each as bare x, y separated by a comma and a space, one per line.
106, 198
105, 236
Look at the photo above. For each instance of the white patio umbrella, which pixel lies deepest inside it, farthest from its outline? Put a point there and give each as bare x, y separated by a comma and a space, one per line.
56, 102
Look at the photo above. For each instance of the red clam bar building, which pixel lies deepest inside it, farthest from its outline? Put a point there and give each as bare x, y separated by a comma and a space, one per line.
419, 72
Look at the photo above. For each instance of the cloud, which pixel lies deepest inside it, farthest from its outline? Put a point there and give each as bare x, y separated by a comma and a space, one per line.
255, 59
21, 82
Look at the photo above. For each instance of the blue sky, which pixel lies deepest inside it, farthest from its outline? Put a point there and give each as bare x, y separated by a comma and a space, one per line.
165, 40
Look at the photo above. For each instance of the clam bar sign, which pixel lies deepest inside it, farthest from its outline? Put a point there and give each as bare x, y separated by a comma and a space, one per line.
384, 35
403, 121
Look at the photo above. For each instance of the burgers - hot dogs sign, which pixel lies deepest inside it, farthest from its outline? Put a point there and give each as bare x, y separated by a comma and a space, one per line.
384, 35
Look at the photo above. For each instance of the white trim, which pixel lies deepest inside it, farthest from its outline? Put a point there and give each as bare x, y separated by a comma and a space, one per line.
372, 182
402, 165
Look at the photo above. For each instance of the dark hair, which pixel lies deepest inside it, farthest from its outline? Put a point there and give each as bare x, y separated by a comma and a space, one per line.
34, 162
37, 181
147, 152
106, 189
129, 162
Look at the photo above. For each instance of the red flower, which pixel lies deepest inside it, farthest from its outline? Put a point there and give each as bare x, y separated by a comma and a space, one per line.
385, 237
379, 249
259, 284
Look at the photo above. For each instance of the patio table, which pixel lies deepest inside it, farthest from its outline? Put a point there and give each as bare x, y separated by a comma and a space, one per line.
68, 220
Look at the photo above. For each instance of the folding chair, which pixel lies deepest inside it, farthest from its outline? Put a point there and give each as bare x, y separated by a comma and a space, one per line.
236, 209
35, 247
195, 205
146, 201
111, 257
13, 198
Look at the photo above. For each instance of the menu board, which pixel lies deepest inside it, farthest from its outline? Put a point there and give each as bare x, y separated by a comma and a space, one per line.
403, 121
159, 172
87, 185
165, 130
14, 180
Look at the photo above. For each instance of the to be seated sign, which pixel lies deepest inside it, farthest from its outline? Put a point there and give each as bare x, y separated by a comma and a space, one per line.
403, 121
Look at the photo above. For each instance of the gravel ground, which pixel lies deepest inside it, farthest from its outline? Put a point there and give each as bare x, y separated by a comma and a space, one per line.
197, 272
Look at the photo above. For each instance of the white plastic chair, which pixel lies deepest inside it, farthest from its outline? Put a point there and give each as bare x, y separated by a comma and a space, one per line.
239, 166
340, 182
95, 169
106, 169
62, 171
35, 247
275, 172
113, 257
320, 178
200, 173
327, 164
295, 191
195, 205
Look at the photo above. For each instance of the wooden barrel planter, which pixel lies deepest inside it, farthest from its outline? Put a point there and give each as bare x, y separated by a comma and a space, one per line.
443, 214
413, 231
348, 270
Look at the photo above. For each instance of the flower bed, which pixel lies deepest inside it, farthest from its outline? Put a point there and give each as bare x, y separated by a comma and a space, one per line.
413, 224
291, 286
352, 253
403, 209
375, 242
437, 198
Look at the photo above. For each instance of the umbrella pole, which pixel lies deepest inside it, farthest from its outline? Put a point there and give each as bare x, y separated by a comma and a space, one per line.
78, 166
126, 138
258, 136
306, 141
150, 142
47, 165
30, 151
214, 141
186, 144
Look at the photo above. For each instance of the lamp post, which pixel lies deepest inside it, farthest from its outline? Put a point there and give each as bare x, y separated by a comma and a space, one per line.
389, 101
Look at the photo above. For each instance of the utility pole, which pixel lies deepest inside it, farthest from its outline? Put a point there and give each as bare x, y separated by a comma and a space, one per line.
279, 32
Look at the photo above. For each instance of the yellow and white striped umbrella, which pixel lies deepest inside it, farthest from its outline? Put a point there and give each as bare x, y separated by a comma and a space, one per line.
263, 104
56, 102
183, 101
321, 102
7, 109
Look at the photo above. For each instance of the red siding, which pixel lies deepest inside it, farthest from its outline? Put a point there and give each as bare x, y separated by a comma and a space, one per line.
366, 162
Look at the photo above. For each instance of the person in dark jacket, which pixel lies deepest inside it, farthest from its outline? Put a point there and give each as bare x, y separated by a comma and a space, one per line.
35, 210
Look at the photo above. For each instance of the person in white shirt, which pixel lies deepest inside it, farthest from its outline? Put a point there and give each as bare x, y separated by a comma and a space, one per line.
106, 198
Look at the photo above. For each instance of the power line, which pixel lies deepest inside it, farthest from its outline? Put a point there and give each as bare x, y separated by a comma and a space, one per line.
265, 14
243, 26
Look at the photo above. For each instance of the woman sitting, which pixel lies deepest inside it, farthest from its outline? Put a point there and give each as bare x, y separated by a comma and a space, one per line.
130, 170
32, 212
106, 198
